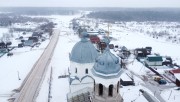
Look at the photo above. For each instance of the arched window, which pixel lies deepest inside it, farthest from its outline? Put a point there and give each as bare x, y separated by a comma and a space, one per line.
100, 89
86, 71
110, 90
76, 70
118, 87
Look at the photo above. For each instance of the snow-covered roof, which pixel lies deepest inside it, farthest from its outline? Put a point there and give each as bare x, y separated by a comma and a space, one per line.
177, 76
71, 79
125, 77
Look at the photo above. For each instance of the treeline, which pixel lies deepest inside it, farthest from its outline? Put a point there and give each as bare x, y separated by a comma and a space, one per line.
39, 10
139, 15
9, 18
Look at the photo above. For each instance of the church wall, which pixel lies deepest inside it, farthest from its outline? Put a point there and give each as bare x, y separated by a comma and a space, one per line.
106, 92
77, 87
81, 69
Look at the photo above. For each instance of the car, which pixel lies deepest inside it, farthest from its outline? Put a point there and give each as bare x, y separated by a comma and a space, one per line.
178, 88
157, 78
162, 81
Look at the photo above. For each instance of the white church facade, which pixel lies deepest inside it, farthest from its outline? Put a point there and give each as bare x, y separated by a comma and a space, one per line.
93, 77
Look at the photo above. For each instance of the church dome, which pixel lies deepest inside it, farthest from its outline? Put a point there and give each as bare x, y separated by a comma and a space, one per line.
83, 51
107, 65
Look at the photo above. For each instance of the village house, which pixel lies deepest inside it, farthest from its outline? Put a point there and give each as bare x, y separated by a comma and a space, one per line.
153, 60
142, 52
173, 75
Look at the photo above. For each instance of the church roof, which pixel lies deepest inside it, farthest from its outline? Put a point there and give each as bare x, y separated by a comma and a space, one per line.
107, 64
71, 79
83, 51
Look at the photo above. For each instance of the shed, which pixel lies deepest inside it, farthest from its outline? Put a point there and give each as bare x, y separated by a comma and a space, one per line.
152, 60
126, 80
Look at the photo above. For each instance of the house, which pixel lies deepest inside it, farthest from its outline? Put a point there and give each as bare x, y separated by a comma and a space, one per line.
167, 61
34, 39
153, 60
125, 52
37, 34
3, 50
2, 45
101, 46
20, 45
173, 75
142, 52
94, 39
24, 33
28, 43
111, 46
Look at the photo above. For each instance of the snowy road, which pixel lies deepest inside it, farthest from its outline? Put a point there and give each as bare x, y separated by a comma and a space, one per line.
153, 88
30, 88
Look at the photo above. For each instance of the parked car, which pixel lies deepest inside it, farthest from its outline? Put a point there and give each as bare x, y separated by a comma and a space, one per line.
162, 81
157, 78
9, 54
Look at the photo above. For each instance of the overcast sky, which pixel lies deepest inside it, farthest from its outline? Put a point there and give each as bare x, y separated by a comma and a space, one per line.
90, 3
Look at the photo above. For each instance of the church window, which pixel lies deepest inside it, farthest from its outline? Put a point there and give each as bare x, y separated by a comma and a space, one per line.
76, 70
100, 89
118, 87
86, 71
111, 90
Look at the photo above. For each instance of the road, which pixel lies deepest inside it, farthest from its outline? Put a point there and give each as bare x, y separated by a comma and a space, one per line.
29, 90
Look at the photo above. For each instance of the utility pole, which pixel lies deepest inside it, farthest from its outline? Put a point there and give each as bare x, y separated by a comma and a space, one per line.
18, 75
170, 94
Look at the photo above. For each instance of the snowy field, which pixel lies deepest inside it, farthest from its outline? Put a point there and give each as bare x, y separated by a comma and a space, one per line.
60, 63
21, 62
14, 69
2, 31
24, 59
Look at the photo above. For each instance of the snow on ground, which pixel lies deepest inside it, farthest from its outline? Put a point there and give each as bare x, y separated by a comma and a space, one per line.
2, 31
132, 94
134, 40
171, 95
21, 62
60, 62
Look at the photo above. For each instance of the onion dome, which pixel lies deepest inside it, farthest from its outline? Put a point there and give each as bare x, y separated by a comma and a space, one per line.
107, 65
83, 51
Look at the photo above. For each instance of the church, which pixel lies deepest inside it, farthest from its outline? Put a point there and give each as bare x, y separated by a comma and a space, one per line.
93, 76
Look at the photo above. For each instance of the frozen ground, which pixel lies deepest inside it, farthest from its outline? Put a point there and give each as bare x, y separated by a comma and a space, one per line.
2, 31
22, 61
60, 63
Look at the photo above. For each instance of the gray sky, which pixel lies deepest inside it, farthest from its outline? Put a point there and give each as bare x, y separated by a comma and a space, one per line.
91, 3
